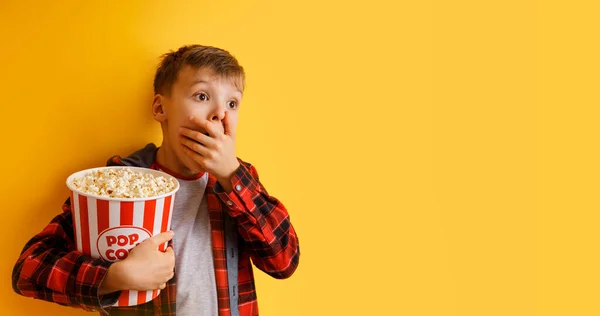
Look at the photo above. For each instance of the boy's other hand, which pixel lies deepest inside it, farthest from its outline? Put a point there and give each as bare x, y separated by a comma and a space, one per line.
215, 152
145, 268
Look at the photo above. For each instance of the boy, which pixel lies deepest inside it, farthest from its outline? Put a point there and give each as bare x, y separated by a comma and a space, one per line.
222, 216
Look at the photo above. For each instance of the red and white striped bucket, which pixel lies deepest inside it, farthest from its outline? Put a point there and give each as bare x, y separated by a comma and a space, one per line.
109, 228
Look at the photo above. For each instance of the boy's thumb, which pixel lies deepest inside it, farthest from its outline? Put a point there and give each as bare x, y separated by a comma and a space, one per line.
162, 238
228, 125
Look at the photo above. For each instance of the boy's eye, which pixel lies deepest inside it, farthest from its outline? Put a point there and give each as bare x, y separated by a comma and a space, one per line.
201, 96
232, 104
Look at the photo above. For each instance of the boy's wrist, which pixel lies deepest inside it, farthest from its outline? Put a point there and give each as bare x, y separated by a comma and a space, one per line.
225, 180
226, 184
114, 279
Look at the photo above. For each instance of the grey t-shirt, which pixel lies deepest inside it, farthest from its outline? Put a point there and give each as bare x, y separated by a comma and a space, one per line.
196, 287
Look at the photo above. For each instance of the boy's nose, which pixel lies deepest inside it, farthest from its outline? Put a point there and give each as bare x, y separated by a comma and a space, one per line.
218, 114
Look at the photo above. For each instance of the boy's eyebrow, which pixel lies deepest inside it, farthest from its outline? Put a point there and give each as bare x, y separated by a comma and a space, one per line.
204, 81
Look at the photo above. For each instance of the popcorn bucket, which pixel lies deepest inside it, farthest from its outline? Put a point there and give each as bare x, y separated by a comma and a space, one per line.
108, 228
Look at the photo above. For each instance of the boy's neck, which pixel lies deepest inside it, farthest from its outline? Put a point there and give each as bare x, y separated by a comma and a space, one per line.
165, 158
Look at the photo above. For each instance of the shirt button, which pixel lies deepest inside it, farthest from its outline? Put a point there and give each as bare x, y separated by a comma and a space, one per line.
238, 187
229, 203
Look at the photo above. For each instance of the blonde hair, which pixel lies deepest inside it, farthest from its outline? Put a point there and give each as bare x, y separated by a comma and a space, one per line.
218, 60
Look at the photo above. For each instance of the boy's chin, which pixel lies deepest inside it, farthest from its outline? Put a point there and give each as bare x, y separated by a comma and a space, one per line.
192, 167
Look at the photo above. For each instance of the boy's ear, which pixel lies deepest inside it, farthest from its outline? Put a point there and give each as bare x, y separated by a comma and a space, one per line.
158, 109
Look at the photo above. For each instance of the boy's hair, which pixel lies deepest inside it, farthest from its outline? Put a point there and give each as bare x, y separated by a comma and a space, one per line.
218, 60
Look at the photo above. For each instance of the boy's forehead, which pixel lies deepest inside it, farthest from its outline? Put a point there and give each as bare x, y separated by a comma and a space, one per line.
190, 73
190, 76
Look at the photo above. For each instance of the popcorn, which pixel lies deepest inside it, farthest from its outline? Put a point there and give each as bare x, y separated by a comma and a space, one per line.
123, 183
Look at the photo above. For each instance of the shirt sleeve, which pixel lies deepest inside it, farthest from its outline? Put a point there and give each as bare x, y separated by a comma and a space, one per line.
51, 269
263, 223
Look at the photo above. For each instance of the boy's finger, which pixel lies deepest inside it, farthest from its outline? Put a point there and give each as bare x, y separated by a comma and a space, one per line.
228, 125
196, 121
162, 238
197, 158
212, 129
208, 126
197, 136
194, 146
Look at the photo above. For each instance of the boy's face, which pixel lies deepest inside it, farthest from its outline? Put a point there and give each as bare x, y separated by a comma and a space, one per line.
199, 93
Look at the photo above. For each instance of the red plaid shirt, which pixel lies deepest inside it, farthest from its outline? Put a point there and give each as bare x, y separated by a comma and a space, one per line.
50, 268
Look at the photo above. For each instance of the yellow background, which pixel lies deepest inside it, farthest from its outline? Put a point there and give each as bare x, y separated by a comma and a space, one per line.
436, 157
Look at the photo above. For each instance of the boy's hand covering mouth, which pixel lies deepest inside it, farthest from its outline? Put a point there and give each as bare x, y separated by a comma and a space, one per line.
214, 149
199, 130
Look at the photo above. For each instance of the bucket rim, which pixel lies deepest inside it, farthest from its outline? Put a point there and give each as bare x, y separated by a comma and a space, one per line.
104, 198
